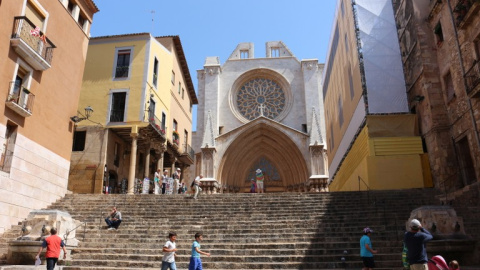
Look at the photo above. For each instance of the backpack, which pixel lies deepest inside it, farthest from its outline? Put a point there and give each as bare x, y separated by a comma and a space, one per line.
193, 183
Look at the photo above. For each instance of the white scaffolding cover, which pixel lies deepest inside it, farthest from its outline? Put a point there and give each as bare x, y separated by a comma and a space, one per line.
384, 77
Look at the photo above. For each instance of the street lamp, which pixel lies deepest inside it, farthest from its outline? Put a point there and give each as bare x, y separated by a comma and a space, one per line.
88, 113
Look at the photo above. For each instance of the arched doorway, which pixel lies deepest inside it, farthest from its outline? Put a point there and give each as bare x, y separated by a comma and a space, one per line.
262, 145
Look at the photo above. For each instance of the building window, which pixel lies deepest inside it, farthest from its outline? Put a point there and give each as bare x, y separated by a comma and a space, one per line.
350, 84
183, 93
275, 52
70, 7
332, 139
117, 111
122, 65
179, 87
35, 15
449, 88
175, 135
191, 106
164, 117
173, 77
8, 148
342, 8
244, 54
465, 160
155, 71
19, 92
304, 128
81, 21
79, 141
438, 33
185, 139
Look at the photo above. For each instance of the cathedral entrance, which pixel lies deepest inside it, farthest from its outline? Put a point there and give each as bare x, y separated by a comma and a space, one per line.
263, 145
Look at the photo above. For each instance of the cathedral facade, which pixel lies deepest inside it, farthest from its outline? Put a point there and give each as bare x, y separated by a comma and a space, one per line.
260, 113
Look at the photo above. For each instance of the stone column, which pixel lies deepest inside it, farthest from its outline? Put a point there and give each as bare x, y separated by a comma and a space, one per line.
147, 161
160, 162
133, 160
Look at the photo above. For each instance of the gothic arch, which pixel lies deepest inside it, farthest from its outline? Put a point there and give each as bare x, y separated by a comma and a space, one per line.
262, 140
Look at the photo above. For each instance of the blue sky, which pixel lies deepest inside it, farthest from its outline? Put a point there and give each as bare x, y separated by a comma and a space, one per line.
215, 27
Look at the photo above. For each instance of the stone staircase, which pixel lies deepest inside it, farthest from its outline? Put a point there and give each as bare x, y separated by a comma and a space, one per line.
243, 231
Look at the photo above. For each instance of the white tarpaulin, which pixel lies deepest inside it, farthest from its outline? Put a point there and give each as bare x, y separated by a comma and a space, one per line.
384, 77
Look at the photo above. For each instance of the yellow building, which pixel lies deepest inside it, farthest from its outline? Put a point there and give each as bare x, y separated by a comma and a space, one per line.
43, 48
372, 139
141, 93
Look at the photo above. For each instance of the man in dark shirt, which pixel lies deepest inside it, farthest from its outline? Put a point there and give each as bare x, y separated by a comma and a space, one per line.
415, 240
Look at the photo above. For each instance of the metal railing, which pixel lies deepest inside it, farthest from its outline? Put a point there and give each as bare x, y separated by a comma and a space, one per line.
121, 71
189, 151
157, 124
472, 77
25, 30
360, 180
117, 115
21, 96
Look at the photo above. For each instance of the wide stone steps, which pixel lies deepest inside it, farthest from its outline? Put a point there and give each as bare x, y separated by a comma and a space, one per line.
242, 231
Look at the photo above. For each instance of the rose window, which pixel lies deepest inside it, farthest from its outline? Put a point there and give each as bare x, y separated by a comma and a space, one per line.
260, 97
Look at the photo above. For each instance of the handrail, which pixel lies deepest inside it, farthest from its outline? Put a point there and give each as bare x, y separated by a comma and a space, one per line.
368, 188
65, 236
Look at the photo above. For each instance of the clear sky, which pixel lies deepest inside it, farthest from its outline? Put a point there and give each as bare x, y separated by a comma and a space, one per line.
215, 27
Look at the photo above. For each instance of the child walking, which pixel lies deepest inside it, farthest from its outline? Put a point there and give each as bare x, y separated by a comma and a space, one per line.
168, 261
195, 261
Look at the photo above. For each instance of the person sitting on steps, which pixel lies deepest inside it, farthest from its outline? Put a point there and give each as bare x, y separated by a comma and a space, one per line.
114, 219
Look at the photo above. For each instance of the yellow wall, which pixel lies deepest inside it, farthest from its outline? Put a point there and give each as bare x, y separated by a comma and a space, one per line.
162, 91
383, 163
180, 104
97, 79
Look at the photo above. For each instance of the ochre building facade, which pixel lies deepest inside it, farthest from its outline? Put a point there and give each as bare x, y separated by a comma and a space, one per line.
43, 48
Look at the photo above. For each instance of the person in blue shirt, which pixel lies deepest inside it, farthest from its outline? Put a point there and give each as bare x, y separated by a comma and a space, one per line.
366, 250
195, 261
416, 240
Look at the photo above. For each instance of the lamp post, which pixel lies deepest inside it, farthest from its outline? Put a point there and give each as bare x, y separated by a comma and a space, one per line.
88, 113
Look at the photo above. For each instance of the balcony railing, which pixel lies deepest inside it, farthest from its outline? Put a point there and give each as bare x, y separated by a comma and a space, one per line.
20, 100
472, 78
157, 124
188, 150
32, 44
121, 72
117, 115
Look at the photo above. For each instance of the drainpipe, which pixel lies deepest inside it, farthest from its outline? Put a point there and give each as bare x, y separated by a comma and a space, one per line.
460, 58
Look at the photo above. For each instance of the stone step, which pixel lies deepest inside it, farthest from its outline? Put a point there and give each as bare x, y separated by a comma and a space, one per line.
249, 245
224, 258
210, 263
237, 251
